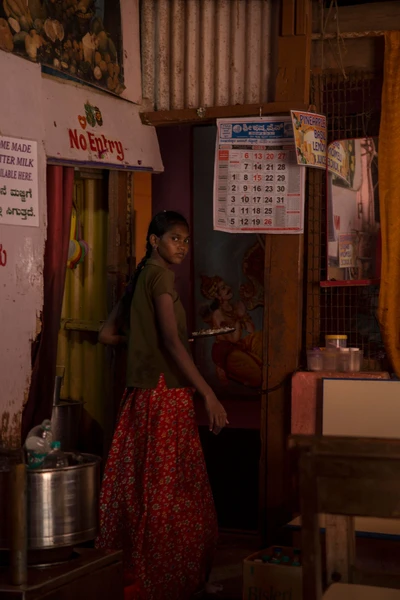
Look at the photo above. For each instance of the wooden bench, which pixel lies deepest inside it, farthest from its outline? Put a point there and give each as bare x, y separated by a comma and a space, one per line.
343, 477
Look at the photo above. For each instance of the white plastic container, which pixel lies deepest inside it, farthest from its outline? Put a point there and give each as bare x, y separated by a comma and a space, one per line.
314, 360
344, 360
356, 358
330, 359
335, 341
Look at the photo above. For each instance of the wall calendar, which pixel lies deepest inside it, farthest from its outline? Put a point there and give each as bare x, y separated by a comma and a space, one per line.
258, 185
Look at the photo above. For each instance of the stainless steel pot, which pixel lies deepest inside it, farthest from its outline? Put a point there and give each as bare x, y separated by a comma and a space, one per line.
62, 505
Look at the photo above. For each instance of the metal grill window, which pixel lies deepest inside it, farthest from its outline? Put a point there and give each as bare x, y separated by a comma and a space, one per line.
352, 105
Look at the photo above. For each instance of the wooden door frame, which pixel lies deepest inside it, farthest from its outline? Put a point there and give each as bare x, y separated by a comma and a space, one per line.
283, 289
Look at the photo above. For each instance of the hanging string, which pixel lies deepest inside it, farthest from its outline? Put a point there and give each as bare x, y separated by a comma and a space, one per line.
340, 47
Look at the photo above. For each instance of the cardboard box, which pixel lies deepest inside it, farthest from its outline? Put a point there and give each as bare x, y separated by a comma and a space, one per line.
266, 581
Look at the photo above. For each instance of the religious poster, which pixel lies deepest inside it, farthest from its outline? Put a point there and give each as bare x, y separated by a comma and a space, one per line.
19, 197
258, 185
310, 135
74, 39
230, 293
228, 290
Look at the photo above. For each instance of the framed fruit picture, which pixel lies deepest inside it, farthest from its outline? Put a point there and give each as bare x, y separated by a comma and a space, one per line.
94, 42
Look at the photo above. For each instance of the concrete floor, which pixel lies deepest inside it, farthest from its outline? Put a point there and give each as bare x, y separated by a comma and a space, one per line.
378, 563
227, 571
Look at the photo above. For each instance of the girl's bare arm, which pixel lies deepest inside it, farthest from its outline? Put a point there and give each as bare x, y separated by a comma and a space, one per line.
169, 331
109, 333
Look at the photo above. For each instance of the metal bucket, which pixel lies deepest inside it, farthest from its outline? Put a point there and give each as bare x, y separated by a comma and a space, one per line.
62, 504
65, 421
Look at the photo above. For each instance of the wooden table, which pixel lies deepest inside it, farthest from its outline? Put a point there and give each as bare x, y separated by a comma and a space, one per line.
370, 527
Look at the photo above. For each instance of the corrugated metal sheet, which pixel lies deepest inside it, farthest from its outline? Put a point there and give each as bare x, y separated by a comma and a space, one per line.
201, 53
85, 304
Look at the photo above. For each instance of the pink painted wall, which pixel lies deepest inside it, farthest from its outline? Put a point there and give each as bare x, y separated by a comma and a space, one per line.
21, 278
172, 190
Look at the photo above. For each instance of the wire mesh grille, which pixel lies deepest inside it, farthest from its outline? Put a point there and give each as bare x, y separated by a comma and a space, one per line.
352, 106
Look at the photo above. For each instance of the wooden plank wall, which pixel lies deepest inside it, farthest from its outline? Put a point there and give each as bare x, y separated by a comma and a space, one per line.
355, 54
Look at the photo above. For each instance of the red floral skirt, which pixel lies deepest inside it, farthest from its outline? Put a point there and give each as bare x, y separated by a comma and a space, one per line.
156, 503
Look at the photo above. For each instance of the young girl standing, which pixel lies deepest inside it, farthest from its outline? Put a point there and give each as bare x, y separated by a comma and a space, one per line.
156, 502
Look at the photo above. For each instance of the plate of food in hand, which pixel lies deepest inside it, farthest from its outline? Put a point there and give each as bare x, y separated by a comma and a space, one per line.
210, 332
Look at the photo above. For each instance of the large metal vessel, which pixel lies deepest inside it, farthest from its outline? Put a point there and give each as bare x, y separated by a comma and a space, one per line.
62, 504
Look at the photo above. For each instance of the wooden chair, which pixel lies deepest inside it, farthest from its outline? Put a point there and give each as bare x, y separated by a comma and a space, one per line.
346, 477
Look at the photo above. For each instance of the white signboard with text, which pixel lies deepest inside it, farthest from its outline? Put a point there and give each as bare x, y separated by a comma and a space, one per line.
258, 185
96, 130
19, 196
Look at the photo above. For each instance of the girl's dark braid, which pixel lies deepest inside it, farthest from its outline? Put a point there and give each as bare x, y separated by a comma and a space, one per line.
130, 288
126, 300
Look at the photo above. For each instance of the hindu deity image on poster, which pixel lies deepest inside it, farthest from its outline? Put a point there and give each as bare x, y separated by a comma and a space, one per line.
237, 356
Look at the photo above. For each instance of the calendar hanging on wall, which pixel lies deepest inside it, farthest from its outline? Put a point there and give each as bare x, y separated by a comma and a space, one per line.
258, 185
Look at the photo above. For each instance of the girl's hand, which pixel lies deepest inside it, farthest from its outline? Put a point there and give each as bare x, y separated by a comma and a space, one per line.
216, 413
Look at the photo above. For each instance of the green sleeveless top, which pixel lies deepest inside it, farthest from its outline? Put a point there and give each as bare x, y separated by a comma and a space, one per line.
147, 356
